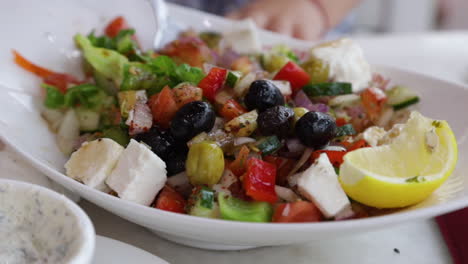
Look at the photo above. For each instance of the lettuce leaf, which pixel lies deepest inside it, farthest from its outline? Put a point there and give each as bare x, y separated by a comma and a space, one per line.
108, 63
54, 98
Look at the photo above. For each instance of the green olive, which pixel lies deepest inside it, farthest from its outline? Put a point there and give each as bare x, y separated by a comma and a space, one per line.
205, 163
318, 69
299, 112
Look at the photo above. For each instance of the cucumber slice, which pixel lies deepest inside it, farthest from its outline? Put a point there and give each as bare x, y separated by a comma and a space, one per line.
232, 78
400, 97
328, 89
117, 134
346, 130
89, 120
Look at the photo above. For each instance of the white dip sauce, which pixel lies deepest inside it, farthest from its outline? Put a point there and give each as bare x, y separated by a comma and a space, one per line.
35, 228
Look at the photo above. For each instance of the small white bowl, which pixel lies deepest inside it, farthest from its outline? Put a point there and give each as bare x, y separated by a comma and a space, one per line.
38, 225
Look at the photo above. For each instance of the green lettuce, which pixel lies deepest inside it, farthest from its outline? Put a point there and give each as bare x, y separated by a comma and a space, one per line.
107, 62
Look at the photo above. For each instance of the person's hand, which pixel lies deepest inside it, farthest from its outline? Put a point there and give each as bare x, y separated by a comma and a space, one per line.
302, 19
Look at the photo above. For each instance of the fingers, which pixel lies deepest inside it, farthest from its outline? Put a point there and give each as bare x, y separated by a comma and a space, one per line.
280, 26
305, 32
235, 15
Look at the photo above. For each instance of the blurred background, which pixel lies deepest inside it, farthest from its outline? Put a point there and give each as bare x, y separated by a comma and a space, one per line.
393, 16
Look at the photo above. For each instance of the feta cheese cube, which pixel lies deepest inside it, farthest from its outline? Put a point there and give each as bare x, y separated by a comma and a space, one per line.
139, 174
346, 62
93, 162
245, 39
319, 184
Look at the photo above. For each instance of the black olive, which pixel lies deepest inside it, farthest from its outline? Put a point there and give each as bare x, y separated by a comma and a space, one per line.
192, 119
262, 95
276, 121
315, 129
175, 163
162, 143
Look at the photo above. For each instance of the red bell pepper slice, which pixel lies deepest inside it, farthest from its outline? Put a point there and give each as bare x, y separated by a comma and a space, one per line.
213, 82
238, 166
163, 107
170, 200
293, 73
232, 109
59, 80
373, 100
259, 180
335, 156
357, 145
283, 168
297, 212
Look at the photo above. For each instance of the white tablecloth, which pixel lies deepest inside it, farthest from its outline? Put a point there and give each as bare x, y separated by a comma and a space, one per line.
444, 55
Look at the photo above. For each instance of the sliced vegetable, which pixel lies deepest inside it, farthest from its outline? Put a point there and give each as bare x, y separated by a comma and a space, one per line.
259, 180
89, 119
293, 73
128, 99
163, 107
205, 163
239, 210
202, 203
302, 100
107, 62
54, 98
211, 39
86, 95
344, 100
400, 97
318, 70
283, 168
68, 132
243, 125
269, 145
232, 78
361, 143
243, 85
167, 69
335, 156
373, 100
117, 134
190, 50
345, 130
242, 64
170, 200
139, 76
185, 93
139, 119
59, 80
296, 212
213, 82
327, 89
232, 109
115, 26
239, 165
341, 122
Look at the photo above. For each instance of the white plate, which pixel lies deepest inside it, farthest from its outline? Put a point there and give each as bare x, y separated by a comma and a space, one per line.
48, 41
112, 251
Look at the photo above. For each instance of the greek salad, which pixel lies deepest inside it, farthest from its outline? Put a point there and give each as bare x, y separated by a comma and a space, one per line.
204, 128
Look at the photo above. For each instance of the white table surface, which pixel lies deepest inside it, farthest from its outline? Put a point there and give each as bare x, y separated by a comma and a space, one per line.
444, 55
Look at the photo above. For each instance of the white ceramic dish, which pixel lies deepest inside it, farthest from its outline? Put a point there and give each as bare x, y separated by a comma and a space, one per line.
38, 225
48, 41
112, 251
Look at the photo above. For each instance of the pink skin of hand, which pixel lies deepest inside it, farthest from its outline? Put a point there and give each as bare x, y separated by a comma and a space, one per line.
303, 19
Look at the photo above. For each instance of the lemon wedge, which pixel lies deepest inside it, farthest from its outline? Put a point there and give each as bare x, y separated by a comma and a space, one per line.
406, 170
